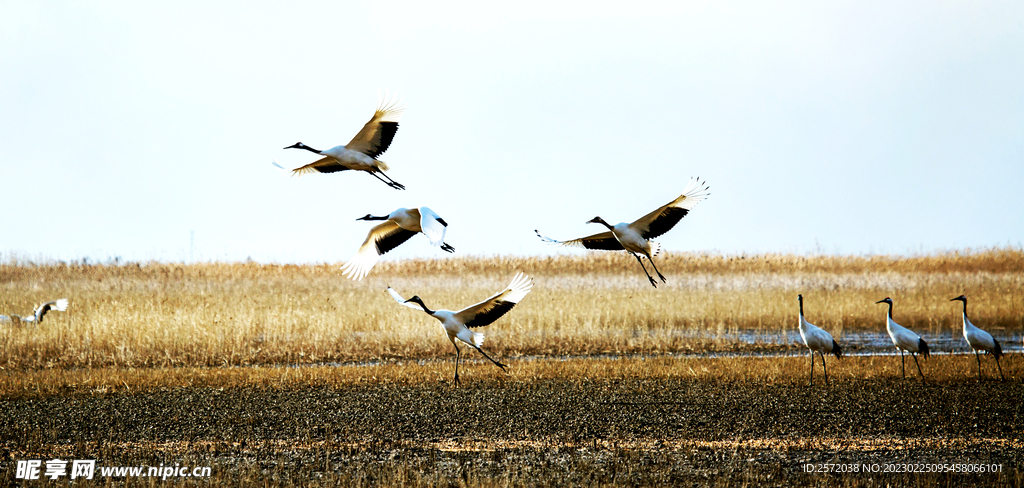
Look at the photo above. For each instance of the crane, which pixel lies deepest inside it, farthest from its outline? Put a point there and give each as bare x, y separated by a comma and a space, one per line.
458, 324
634, 237
817, 340
398, 227
905, 340
980, 340
59, 305
362, 151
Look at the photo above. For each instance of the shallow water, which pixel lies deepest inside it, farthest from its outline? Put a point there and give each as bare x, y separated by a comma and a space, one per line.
859, 343
864, 343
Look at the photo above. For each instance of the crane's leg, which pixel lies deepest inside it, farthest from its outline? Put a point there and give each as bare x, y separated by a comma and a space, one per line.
918, 366
502, 366
903, 364
1000, 368
824, 367
447, 247
656, 268
458, 354
392, 183
976, 356
811, 383
653, 283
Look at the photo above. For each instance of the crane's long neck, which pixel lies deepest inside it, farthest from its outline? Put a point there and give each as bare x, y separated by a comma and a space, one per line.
599, 220
371, 217
890, 309
419, 301
299, 145
966, 321
802, 322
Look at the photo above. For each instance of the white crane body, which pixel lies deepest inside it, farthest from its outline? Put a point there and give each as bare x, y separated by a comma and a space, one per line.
818, 341
905, 340
980, 340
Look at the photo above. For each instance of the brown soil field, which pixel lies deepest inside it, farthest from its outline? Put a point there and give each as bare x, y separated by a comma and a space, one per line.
727, 421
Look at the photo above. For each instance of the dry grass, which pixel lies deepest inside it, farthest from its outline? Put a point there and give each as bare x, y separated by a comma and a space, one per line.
168, 315
522, 374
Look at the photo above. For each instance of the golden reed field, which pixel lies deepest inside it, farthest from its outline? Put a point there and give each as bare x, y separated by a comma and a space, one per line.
245, 313
284, 375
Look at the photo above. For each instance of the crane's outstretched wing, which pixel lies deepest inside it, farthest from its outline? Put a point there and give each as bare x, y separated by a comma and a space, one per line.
401, 301
667, 216
487, 311
604, 241
376, 135
326, 164
432, 225
381, 239
59, 305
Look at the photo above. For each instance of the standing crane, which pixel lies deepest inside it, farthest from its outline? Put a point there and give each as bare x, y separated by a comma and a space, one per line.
905, 340
362, 151
817, 340
633, 237
398, 227
458, 324
980, 340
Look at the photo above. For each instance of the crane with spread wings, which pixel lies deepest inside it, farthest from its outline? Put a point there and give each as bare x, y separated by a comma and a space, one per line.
458, 324
634, 237
362, 151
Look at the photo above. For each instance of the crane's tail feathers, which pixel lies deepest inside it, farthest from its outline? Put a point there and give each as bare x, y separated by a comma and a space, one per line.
655, 248
381, 165
476, 339
61, 305
922, 348
997, 350
836, 350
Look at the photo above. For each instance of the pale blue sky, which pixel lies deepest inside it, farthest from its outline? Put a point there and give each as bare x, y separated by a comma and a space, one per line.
851, 127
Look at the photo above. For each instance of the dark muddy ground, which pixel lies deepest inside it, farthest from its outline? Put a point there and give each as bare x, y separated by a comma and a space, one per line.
542, 432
